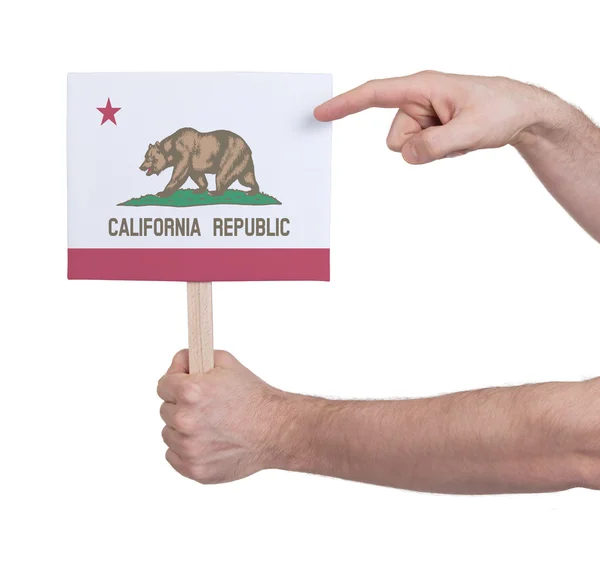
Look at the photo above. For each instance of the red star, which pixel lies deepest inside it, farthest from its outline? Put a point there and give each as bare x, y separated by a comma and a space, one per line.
108, 112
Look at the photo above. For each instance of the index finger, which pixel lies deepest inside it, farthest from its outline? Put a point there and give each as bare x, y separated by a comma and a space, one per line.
387, 92
180, 367
170, 388
180, 363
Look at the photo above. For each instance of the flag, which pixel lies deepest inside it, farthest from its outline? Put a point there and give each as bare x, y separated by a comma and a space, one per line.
198, 176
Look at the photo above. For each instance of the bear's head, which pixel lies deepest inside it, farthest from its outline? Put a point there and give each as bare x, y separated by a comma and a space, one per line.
154, 160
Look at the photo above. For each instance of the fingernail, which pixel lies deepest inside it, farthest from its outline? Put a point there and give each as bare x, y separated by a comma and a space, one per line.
412, 154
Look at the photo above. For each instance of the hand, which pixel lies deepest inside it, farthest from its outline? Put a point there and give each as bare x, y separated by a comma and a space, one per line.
219, 425
443, 115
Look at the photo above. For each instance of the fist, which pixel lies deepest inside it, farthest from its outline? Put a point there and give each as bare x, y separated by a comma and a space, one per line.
219, 426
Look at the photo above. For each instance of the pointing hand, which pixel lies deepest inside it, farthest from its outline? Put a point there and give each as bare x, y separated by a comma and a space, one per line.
442, 115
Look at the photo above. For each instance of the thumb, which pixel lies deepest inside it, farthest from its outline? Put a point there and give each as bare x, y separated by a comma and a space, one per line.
455, 137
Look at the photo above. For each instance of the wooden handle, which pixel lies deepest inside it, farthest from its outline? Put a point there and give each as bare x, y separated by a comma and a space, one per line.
200, 327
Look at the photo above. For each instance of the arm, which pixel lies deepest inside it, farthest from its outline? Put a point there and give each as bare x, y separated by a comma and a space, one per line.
229, 424
504, 440
441, 115
563, 150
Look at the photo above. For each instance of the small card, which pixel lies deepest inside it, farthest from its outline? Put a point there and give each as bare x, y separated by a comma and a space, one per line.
198, 176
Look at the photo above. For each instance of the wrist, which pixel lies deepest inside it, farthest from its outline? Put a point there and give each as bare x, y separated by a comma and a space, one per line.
292, 443
549, 119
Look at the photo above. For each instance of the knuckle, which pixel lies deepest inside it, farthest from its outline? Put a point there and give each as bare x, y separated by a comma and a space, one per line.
199, 473
182, 422
224, 358
204, 475
371, 89
189, 392
188, 449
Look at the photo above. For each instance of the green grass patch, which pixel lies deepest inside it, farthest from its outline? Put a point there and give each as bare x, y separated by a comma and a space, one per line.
189, 197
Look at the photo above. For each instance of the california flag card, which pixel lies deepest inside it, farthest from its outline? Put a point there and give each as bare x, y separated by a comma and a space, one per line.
198, 176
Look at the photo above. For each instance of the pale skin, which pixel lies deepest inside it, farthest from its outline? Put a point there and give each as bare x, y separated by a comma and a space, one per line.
229, 423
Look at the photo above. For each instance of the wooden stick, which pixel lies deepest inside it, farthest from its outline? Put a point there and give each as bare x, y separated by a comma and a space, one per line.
200, 327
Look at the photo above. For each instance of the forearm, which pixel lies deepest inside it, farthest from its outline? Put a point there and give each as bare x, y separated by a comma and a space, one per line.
502, 440
563, 150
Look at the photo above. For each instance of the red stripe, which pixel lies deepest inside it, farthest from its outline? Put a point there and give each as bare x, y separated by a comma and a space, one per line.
199, 265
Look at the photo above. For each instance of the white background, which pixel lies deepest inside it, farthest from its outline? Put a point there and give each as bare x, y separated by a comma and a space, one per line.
272, 112
458, 275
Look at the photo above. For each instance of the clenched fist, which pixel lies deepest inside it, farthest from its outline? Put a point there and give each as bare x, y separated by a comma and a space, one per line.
219, 426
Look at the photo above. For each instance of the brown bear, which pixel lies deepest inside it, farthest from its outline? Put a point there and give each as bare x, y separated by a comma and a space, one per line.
193, 154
